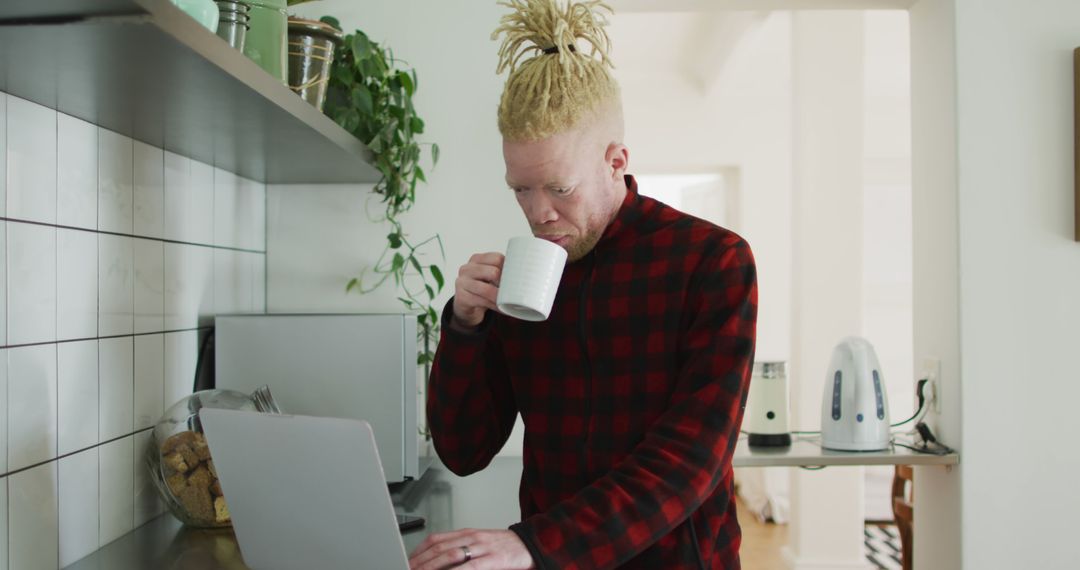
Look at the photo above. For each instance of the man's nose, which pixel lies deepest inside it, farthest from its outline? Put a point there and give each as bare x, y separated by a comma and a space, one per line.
539, 208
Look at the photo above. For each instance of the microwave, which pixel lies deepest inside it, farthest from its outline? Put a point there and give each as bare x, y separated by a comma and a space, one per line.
358, 366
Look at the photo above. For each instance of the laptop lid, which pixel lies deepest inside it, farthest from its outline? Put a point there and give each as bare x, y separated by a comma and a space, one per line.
304, 492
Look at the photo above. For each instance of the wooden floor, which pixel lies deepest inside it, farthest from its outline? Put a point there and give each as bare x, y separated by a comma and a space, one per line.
761, 542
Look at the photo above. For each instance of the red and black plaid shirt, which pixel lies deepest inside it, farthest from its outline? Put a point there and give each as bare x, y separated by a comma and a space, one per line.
632, 394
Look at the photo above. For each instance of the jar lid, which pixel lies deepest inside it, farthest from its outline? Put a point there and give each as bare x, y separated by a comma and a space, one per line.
767, 369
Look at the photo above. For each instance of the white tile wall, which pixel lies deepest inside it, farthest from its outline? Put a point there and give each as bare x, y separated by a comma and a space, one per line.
149, 379
116, 379
259, 284
76, 284
31, 257
201, 203
33, 529
116, 285
3, 278
149, 285
3, 158
226, 195
147, 502
76, 173
181, 356
179, 213
112, 253
31, 405
189, 285
3, 521
234, 281
78, 502
115, 183
31, 161
116, 477
3, 417
149, 190
252, 228
77, 393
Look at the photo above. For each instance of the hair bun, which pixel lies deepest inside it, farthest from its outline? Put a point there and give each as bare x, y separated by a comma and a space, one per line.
543, 27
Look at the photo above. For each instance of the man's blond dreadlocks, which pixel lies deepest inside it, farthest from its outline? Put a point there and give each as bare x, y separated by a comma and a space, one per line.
559, 85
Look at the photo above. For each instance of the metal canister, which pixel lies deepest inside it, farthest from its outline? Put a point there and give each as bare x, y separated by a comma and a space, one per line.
311, 54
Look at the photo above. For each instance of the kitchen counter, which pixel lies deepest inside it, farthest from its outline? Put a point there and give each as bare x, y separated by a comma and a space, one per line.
806, 451
487, 499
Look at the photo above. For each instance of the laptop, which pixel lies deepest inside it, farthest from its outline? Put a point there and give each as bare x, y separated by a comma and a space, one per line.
304, 492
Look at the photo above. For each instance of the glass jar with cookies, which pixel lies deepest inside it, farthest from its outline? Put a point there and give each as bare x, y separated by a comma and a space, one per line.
179, 459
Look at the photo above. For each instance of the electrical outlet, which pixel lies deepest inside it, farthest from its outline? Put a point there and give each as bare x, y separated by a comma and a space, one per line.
931, 370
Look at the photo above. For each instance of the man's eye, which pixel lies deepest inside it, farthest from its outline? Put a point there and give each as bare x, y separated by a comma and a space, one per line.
562, 191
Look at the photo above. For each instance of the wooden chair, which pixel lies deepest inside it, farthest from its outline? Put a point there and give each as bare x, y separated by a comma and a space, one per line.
903, 490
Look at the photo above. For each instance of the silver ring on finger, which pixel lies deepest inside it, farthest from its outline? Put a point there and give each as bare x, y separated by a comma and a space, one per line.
468, 554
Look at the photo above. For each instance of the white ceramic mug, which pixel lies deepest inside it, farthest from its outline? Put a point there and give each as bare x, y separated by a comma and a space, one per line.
530, 278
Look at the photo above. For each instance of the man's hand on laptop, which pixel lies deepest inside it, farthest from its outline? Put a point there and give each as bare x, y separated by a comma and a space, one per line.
472, 549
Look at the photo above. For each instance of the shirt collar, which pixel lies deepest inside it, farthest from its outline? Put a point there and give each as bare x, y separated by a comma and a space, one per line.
629, 212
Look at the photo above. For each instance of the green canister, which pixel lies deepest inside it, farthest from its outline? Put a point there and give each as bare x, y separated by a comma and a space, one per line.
265, 42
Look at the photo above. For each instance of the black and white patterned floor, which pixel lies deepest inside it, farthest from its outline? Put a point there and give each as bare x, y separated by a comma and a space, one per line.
882, 546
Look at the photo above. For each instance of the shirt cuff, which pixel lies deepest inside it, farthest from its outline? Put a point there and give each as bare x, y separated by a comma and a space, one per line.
527, 539
479, 333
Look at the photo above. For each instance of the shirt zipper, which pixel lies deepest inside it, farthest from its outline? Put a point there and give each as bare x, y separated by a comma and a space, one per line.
584, 339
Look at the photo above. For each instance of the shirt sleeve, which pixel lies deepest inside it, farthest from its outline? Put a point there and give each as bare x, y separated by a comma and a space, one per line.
470, 403
686, 453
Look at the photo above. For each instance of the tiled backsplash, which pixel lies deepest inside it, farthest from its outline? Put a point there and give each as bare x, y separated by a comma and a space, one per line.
114, 257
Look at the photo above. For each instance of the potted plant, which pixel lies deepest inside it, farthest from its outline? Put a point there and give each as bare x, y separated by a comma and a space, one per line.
370, 97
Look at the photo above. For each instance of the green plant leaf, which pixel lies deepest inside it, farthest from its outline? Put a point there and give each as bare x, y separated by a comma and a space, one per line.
354, 282
407, 82
416, 265
417, 125
395, 240
351, 121
398, 263
420, 174
430, 292
437, 274
361, 99
434, 154
330, 20
361, 46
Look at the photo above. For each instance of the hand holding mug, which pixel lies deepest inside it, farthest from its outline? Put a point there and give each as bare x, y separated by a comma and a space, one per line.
476, 288
521, 284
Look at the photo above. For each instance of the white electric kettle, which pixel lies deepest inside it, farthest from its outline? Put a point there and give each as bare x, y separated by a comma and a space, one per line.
855, 406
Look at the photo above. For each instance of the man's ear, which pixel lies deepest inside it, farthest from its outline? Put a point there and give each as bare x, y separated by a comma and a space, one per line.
617, 159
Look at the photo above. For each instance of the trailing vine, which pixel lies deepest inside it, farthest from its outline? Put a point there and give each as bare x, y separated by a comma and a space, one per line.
369, 96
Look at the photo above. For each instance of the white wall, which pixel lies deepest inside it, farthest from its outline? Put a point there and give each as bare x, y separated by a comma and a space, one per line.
935, 263
1019, 282
674, 127
887, 275
827, 273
